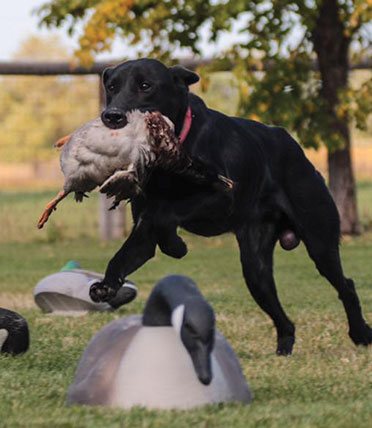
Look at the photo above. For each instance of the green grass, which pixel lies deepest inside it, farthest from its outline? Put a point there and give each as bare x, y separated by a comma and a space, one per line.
326, 383
19, 212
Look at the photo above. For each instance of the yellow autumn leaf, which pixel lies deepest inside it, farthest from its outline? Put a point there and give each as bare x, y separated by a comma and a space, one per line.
262, 107
254, 116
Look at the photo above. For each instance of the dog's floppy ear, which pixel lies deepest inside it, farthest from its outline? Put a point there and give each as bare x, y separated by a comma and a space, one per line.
106, 74
183, 75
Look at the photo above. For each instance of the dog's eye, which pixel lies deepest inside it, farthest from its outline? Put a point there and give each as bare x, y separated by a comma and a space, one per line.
144, 86
111, 87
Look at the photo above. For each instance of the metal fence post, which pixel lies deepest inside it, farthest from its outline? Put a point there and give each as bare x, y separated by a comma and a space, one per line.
112, 224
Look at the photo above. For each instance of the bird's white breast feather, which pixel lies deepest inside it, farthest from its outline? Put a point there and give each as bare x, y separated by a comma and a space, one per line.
156, 371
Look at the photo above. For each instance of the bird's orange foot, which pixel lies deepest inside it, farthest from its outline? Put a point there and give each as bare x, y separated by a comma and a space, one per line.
50, 207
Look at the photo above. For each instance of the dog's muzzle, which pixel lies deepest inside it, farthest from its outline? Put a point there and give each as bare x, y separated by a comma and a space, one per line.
114, 118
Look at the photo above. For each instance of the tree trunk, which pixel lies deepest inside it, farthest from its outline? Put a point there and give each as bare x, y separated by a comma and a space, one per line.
342, 186
332, 48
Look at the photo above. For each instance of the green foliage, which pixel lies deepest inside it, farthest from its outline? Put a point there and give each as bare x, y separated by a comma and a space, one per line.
290, 93
279, 37
157, 26
356, 103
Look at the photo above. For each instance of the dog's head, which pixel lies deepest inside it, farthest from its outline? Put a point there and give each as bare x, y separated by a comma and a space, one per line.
146, 85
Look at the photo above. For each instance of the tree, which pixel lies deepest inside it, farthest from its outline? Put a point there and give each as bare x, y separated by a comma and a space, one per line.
44, 106
286, 37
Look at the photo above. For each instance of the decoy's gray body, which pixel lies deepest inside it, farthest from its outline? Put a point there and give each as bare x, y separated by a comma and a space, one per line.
170, 358
14, 334
67, 293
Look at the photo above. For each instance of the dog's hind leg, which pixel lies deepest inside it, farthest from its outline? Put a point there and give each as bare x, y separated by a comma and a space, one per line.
257, 242
325, 253
318, 226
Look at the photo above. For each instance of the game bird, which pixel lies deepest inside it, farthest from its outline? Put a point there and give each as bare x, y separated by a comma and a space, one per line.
118, 161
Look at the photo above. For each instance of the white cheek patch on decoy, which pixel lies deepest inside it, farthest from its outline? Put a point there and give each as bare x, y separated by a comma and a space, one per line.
177, 318
3, 336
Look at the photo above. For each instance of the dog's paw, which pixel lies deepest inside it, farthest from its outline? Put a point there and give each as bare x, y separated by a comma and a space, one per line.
101, 292
126, 293
285, 345
362, 336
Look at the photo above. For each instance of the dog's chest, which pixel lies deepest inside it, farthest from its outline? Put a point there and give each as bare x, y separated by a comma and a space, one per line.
210, 216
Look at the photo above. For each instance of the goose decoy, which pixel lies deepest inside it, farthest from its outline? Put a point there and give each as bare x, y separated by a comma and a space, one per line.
67, 292
170, 358
14, 334
119, 160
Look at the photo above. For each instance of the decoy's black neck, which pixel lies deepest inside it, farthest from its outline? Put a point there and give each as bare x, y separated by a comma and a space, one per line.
170, 292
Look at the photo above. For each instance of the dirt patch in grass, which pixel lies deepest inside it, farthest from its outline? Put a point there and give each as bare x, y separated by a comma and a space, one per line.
16, 301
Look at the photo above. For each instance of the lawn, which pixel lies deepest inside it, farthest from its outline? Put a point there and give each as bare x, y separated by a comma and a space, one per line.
326, 383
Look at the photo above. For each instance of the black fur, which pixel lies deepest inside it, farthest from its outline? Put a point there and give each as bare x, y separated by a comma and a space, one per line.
277, 190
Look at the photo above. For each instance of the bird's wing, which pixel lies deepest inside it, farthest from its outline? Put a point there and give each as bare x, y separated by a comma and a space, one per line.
98, 366
231, 369
123, 184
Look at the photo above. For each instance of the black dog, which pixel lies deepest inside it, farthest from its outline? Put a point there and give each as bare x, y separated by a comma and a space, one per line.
278, 195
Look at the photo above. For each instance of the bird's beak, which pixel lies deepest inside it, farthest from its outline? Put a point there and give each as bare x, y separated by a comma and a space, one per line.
201, 359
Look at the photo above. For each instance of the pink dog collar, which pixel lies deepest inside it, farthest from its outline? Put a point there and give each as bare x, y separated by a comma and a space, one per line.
186, 125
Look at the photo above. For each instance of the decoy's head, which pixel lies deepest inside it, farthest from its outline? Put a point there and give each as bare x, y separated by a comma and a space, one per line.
147, 85
195, 322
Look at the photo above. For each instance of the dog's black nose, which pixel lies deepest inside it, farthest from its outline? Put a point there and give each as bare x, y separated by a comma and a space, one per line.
114, 118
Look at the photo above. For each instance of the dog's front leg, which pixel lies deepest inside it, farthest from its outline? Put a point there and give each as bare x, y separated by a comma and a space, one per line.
136, 250
170, 243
